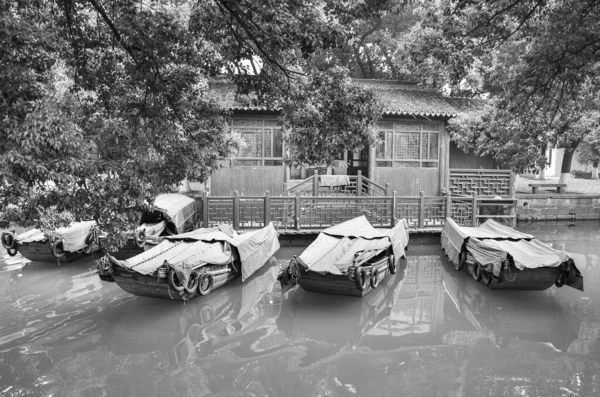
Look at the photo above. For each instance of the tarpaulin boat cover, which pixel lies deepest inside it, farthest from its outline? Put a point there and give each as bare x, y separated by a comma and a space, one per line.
207, 246
492, 243
333, 250
73, 236
178, 207
153, 229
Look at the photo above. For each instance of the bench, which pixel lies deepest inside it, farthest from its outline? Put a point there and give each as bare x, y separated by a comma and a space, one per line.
560, 187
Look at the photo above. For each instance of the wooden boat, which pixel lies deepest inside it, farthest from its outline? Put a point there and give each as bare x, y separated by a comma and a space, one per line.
504, 258
66, 244
201, 326
350, 258
190, 264
173, 214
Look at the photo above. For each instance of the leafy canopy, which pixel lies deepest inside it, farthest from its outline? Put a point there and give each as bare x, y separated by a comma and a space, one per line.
533, 58
106, 104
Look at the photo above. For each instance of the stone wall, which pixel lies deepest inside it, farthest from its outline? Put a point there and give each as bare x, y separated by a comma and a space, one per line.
557, 207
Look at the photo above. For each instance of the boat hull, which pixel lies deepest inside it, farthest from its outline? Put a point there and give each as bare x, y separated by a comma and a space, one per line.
537, 279
339, 284
129, 250
144, 285
40, 252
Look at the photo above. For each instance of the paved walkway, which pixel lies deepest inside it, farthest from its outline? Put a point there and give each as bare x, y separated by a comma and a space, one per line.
574, 186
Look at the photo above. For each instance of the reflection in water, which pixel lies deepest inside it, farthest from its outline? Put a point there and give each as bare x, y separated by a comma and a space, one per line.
427, 331
502, 316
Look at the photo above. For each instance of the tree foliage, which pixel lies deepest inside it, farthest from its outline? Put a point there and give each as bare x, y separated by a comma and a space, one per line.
132, 79
534, 58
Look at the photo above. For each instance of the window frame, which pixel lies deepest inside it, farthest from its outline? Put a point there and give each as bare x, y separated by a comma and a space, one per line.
393, 161
266, 125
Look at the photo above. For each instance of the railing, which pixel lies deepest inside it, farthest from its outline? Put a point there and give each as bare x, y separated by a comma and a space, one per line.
318, 212
358, 186
482, 182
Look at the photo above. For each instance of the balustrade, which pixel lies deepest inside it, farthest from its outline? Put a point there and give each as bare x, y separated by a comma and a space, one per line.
319, 212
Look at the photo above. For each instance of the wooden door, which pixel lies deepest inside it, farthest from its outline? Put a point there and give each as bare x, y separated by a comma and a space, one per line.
358, 160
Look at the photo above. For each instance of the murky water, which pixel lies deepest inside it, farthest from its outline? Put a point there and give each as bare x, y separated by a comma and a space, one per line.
428, 331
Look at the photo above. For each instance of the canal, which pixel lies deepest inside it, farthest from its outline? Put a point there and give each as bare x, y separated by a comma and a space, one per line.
427, 331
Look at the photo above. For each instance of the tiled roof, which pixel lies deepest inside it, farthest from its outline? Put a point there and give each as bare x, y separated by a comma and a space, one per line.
409, 99
397, 98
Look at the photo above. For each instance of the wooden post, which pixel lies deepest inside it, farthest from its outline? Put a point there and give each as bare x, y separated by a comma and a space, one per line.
267, 207
511, 188
475, 211
513, 214
394, 206
297, 212
421, 209
205, 209
285, 189
359, 183
236, 210
388, 189
371, 163
316, 184
448, 206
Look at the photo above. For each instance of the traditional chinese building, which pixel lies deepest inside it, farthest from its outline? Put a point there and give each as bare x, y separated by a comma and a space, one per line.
416, 153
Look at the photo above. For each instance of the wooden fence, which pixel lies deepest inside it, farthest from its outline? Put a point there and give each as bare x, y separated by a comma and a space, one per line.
319, 212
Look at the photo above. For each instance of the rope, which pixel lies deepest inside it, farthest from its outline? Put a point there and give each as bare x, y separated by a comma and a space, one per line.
294, 271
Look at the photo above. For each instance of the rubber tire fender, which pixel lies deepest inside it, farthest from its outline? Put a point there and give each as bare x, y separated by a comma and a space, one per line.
56, 250
208, 289
462, 259
486, 277
571, 275
139, 238
361, 278
171, 280
374, 281
285, 276
392, 265
12, 251
192, 285
8, 240
561, 280
90, 238
477, 272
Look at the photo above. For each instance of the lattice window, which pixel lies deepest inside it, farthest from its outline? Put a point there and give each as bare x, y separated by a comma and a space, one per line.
263, 142
409, 144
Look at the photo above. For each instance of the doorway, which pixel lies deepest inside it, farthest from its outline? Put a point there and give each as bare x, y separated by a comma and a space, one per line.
358, 160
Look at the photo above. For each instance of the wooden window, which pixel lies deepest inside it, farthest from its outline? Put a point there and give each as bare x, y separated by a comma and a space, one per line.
408, 145
263, 142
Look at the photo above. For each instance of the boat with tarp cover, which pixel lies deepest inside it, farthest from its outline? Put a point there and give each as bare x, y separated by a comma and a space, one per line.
66, 244
504, 258
350, 258
190, 264
173, 213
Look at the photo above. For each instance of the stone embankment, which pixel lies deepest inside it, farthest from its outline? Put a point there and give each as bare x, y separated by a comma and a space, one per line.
581, 201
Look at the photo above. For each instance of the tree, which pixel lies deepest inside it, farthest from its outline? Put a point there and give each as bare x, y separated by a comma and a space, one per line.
533, 58
131, 78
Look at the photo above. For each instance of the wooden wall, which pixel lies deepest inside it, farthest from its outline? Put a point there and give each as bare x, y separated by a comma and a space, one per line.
410, 181
248, 181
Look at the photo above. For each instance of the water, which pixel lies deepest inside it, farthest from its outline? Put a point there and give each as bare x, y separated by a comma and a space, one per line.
427, 331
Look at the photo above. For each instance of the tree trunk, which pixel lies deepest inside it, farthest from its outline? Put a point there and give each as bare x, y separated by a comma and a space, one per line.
542, 174
184, 186
565, 167
359, 62
595, 170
